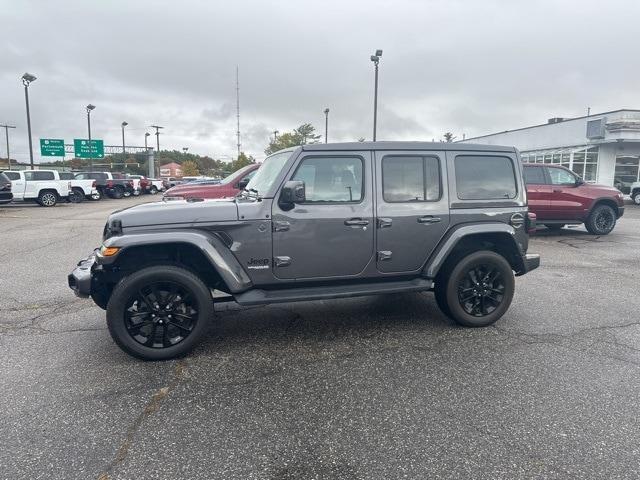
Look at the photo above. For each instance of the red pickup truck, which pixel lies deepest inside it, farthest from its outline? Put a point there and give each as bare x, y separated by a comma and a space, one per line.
559, 197
228, 187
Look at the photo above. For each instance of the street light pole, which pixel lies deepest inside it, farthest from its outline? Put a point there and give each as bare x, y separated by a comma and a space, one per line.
27, 78
146, 135
375, 59
124, 151
89, 109
6, 133
326, 124
275, 135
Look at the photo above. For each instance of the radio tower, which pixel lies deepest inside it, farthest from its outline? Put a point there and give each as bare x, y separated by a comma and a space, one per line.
238, 109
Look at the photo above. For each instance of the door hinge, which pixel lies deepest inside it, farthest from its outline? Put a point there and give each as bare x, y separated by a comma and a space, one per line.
384, 222
281, 226
384, 255
282, 261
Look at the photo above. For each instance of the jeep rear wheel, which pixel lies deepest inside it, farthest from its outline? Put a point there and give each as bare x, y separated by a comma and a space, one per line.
601, 221
159, 312
478, 290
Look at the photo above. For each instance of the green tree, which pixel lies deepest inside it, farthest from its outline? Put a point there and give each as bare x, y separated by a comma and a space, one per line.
190, 169
242, 161
449, 137
302, 135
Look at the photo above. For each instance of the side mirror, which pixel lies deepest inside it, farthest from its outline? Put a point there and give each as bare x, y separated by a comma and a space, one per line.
242, 183
293, 192
579, 182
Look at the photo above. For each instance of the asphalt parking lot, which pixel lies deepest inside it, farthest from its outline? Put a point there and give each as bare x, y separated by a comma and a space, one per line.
377, 387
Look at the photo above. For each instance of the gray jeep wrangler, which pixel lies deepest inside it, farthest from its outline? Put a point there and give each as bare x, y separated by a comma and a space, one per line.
317, 222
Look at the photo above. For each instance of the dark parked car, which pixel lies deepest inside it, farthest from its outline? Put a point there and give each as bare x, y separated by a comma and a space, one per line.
115, 185
319, 222
5, 189
559, 197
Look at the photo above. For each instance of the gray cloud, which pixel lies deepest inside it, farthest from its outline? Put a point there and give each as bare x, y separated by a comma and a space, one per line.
460, 66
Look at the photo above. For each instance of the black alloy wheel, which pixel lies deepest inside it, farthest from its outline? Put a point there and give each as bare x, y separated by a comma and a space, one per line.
601, 221
481, 290
159, 312
161, 315
477, 289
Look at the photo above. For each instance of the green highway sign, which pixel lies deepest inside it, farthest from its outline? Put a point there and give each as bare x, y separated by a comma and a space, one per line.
51, 147
82, 150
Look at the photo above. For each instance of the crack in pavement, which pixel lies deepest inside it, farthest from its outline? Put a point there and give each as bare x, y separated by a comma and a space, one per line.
32, 323
151, 407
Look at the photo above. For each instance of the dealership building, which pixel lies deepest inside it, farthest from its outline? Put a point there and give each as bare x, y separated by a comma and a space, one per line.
602, 148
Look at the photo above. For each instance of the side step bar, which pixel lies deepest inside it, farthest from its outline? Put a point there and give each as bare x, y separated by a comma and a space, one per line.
260, 297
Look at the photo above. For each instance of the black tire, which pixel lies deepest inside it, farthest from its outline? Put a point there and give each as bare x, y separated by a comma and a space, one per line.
95, 196
554, 226
153, 190
472, 301
47, 198
141, 303
76, 196
118, 192
636, 198
601, 221
127, 193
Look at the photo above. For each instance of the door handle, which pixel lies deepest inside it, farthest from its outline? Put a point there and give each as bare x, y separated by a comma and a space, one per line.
356, 222
557, 190
429, 219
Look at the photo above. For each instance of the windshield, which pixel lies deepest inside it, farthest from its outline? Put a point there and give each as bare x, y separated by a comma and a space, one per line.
263, 180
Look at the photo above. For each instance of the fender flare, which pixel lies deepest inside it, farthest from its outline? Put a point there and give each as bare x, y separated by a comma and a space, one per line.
214, 250
447, 245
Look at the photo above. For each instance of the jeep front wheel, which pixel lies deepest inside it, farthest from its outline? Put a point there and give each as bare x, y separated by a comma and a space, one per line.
601, 221
159, 312
478, 290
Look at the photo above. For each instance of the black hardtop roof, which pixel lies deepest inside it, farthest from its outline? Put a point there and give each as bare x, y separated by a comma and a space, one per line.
406, 146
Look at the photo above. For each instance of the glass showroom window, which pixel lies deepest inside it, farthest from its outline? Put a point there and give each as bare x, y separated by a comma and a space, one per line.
626, 172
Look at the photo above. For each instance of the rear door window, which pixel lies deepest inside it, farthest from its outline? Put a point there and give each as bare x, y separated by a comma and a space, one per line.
410, 179
534, 176
35, 175
485, 177
12, 175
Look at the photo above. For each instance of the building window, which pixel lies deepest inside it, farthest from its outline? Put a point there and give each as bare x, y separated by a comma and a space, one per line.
581, 160
626, 172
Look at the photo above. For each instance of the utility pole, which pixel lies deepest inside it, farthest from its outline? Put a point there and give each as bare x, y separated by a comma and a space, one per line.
326, 124
6, 133
157, 127
238, 109
275, 136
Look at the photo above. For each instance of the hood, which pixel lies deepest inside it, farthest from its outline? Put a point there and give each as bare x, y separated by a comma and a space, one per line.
605, 189
177, 212
190, 189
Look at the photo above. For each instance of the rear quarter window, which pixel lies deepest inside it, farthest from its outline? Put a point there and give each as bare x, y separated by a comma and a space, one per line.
485, 177
12, 175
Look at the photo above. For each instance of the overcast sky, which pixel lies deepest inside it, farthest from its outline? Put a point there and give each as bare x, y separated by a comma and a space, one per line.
470, 67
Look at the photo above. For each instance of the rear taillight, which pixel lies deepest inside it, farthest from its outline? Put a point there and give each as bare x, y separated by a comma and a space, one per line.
109, 184
131, 183
69, 185
7, 186
93, 184
532, 219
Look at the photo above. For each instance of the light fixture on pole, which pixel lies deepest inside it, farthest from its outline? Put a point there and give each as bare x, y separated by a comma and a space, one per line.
157, 127
146, 136
123, 124
89, 109
6, 133
185, 149
27, 78
375, 59
326, 124
275, 135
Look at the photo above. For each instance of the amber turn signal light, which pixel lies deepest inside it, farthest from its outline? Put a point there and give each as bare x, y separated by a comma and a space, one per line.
109, 251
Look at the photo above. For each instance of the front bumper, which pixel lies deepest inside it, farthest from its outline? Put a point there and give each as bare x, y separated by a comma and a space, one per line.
81, 277
620, 211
